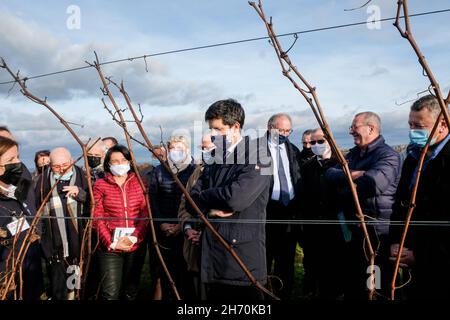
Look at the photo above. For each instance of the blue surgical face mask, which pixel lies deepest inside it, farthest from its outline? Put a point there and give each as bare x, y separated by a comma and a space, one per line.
222, 141
282, 139
65, 177
177, 156
419, 137
319, 149
207, 156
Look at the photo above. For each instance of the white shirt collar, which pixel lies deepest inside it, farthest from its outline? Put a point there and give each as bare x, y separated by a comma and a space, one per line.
275, 145
233, 146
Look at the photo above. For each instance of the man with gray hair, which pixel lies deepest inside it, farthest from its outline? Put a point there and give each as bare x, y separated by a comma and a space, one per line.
281, 239
375, 170
95, 156
427, 247
62, 231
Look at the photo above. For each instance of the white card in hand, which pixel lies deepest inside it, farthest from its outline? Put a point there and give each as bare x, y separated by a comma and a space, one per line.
14, 226
122, 232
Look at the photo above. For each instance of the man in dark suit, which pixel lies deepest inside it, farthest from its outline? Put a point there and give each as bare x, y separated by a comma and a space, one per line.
426, 252
282, 237
306, 154
232, 188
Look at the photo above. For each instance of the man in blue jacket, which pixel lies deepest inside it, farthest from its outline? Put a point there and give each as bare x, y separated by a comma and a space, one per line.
234, 188
375, 170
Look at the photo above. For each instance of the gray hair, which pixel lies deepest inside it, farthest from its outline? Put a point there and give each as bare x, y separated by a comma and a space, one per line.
273, 119
428, 102
371, 119
182, 139
97, 141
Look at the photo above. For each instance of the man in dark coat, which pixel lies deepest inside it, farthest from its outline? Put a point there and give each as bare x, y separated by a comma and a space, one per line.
375, 169
281, 238
62, 231
427, 247
306, 154
232, 188
95, 156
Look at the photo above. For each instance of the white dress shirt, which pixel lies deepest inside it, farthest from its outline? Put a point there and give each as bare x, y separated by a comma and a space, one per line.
276, 181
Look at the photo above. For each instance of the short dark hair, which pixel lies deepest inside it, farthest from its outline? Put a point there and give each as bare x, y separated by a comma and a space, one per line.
40, 153
117, 148
273, 119
230, 111
428, 102
307, 132
4, 128
114, 140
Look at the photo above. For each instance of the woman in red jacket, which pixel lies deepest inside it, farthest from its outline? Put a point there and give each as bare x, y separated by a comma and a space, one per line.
121, 223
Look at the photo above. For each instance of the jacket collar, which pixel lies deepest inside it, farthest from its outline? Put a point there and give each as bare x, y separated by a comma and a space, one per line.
446, 149
378, 142
239, 152
375, 144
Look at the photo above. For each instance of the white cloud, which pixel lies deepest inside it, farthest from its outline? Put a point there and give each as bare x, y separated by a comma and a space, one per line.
30, 48
353, 69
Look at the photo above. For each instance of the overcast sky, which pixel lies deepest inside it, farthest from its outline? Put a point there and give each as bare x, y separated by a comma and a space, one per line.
354, 69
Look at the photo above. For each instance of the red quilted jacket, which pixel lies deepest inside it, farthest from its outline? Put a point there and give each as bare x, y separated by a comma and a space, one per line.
112, 201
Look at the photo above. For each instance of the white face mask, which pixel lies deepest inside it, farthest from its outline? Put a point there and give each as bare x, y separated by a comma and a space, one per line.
207, 156
9, 191
120, 169
177, 156
319, 149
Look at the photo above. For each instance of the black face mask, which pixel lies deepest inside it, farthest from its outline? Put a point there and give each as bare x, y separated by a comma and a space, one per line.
307, 152
282, 139
93, 161
13, 173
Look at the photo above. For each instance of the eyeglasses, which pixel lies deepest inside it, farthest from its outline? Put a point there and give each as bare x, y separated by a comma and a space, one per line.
285, 132
59, 166
353, 128
320, 141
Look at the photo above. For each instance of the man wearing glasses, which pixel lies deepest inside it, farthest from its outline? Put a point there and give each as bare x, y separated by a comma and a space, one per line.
282, 237
318, 204
62, 231
375, 170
